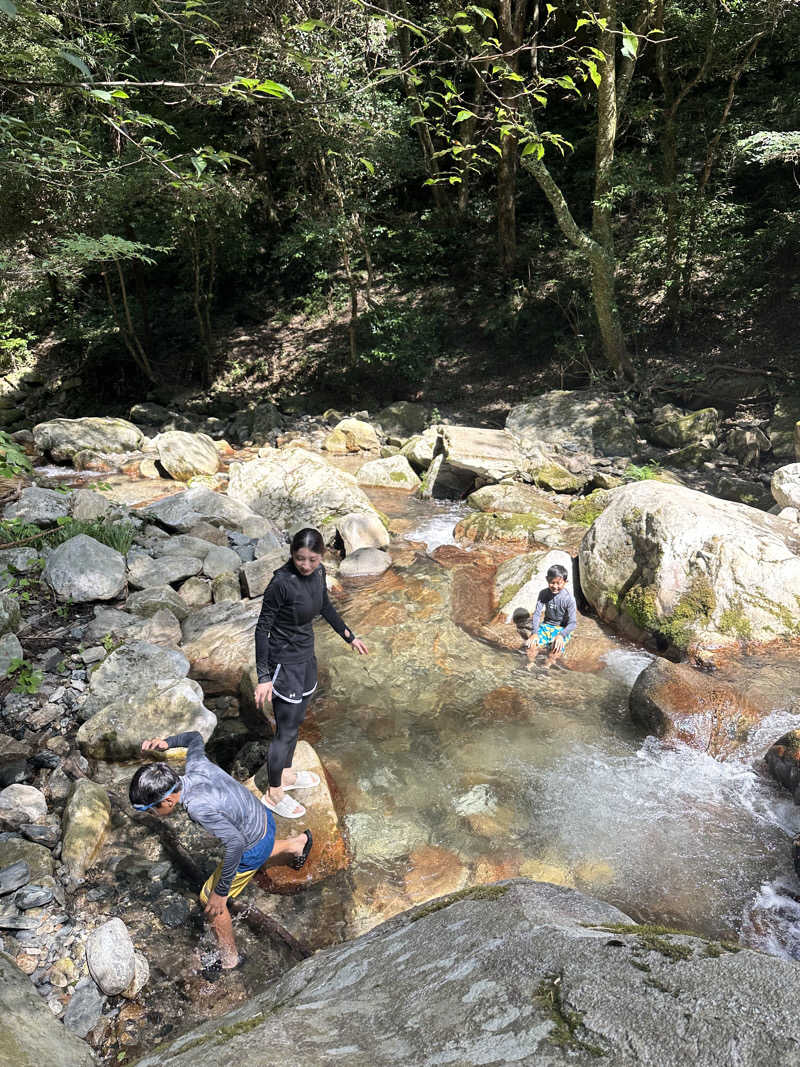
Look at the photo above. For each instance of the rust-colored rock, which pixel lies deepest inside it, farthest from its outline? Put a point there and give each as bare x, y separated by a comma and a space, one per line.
433, 872
677, 702
783, 762
507, 704
329, 853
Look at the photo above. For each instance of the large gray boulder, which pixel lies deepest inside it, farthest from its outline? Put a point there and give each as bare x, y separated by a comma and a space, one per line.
519, 581
83, 569
697, 570
147, 573
785, 485
182, 511
474, 455
393, 472
574, 421
157, 598
42, 507
517, 972
672, 427
219, 642
296, 488
183, 455
30, 1035
403, 418
60, 439
139, 691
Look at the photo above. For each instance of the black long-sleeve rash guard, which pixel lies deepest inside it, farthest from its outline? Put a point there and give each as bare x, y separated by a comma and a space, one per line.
284, 632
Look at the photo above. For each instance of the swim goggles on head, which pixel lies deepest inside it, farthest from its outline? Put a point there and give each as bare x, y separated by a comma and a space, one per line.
147, 807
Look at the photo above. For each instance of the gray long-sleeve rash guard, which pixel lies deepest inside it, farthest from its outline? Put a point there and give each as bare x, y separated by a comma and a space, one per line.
219, 804
559, 610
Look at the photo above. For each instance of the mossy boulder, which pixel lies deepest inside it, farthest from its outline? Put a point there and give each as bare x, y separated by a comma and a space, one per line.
783, 428
583, 420
392, 472
695, 570
516, 498
552, 475
491, 526
585, 509
673, 428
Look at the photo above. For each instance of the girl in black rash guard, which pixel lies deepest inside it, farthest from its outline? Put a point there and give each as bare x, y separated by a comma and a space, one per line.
285, 661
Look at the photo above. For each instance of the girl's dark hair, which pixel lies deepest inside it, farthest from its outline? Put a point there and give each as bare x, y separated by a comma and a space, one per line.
152, 782
556, 571
308, 538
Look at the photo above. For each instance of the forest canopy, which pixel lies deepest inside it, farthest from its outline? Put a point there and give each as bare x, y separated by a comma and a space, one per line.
546, 180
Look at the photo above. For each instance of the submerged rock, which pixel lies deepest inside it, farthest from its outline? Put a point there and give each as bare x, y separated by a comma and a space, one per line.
365, 562
329, 853
696, 570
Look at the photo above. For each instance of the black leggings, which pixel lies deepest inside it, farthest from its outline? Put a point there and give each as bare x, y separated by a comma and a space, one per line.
288, 718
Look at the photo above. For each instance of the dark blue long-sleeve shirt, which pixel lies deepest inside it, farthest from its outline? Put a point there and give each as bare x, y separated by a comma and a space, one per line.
559, 610
284, 632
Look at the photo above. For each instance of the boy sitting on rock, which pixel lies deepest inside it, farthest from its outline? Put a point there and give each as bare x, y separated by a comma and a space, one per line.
555, 616
226, 809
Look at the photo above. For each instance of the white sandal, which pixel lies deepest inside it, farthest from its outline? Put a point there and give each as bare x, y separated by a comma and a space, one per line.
286, 807
305, 780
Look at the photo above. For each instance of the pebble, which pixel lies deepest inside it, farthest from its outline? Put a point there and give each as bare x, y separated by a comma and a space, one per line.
48, 836
78, 683
57, 694
33, 896
93, 655
27, 964
14, 876
85, 1008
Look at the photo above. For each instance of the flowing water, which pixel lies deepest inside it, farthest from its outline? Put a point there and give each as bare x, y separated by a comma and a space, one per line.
456, 765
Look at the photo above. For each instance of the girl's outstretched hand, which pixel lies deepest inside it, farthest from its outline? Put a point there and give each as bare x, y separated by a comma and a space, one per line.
360, 647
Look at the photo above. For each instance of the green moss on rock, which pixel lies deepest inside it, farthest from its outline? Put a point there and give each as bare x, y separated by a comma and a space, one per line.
695, 605
586, 509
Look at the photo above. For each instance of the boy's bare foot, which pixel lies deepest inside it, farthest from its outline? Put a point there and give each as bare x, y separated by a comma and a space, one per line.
228, 960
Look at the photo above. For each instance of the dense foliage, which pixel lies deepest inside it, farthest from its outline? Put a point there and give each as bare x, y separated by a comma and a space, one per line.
541, 180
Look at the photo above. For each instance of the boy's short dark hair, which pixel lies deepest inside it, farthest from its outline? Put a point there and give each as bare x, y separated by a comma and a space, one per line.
556, 571
152, 783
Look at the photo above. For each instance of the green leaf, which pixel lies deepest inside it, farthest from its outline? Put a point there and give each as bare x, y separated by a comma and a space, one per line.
76, 61
533, 148
101, 94
368, 165
9, 8
630, 43
582, 22
463, 115
483, 12
311, 24
594, 73
551, 8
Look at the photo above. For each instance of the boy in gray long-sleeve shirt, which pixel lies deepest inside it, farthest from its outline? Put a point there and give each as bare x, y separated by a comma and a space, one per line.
555, 616
226, 809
